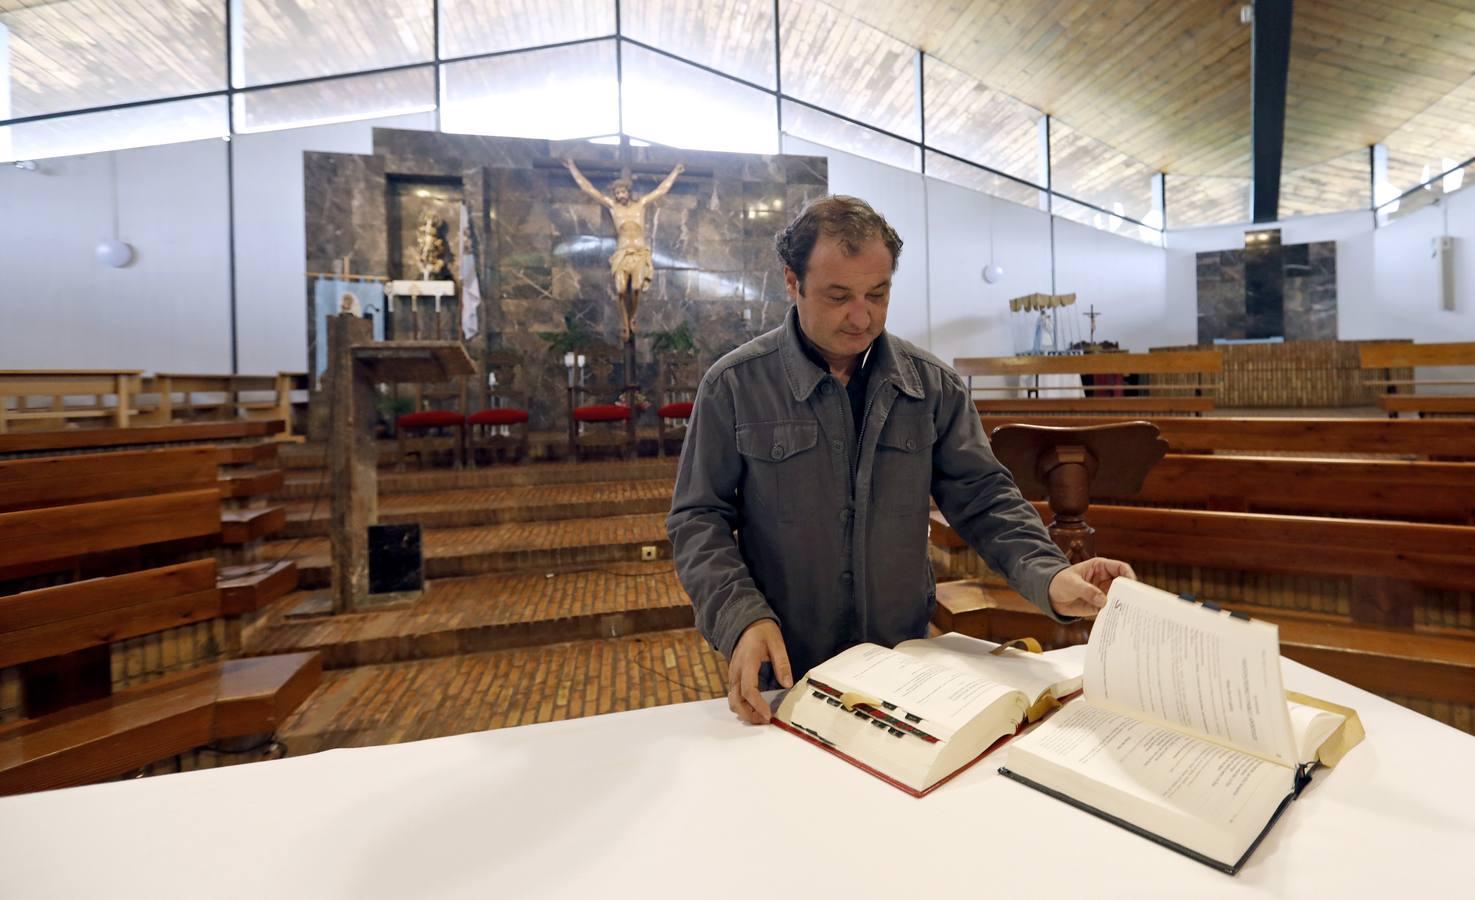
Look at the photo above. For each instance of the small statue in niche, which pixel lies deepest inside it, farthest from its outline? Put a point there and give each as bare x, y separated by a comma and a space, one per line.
431, 250
631, 262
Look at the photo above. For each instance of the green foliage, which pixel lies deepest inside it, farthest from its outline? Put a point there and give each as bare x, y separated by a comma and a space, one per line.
574, 337
677, 340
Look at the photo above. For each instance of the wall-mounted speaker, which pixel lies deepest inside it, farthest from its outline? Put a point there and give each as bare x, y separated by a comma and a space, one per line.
1443, 252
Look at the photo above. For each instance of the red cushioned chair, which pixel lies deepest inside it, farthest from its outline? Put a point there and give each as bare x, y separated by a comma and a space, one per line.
680, 372
438, 423
502, 422
602, 378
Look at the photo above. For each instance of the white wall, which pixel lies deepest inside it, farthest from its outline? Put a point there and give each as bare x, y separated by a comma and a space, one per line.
170, 309
167, 311
271, 266
897, 195
1403, 299
940, 300
1385, 277
970, 317
1127, 282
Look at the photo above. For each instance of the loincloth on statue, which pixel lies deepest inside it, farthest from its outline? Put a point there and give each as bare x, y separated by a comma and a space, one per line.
635, 263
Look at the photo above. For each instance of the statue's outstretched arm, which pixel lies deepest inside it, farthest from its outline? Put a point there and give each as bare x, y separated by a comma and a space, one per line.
584, 184
665, 186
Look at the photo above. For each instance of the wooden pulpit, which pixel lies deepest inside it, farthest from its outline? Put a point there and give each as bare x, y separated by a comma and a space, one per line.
1066, 464
356, 365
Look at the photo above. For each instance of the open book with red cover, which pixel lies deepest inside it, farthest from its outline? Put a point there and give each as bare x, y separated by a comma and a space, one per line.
918, 714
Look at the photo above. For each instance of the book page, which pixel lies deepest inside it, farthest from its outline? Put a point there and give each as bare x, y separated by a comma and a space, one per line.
942, 700
1201, 794
1032, 673
1192, 667
1311, 726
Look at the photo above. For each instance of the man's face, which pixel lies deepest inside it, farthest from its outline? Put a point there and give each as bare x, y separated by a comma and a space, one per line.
842, 307
622, 194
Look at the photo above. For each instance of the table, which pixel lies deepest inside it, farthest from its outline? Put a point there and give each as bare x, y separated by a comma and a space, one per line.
685, 801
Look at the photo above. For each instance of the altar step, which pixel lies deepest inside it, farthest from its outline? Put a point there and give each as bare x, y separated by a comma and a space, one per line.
307, 483
429, 698
467, 507
544, 448
486, 612
508, 547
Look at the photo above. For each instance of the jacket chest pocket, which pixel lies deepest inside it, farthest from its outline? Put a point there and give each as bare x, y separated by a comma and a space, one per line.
901, 478
782, 478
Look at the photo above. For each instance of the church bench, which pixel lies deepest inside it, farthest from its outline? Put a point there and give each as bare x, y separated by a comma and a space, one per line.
1386, 562
115, 735
1177, 381
1387, 661
1099, 405
1392, 404
1383, 358
223, 397
110, 439
63, 638
1443, 438
1415, 491
20, 387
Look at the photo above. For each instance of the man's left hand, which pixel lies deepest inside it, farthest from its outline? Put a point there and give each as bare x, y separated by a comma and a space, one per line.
1080, 590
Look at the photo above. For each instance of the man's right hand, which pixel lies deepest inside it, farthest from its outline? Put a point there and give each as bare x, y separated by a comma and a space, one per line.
760, 643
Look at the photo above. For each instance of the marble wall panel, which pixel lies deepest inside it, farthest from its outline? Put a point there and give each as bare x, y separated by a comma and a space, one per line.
1304, 306
543, 246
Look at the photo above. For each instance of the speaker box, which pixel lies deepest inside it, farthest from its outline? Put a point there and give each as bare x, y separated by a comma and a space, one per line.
396, 563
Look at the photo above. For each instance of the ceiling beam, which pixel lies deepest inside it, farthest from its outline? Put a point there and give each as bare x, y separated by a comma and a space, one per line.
1271, 58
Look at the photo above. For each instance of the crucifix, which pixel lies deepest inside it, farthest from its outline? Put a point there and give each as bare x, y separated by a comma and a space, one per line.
1093, 315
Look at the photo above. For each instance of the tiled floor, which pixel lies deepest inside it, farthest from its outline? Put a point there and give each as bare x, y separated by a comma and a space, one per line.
389, 703
482, 612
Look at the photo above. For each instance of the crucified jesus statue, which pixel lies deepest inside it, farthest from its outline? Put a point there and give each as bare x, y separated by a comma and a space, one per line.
631, 263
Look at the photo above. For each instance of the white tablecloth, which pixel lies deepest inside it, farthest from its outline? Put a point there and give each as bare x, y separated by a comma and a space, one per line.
685, 801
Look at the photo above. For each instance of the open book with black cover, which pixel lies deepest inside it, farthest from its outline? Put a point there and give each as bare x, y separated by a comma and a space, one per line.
920, 713
1183, 733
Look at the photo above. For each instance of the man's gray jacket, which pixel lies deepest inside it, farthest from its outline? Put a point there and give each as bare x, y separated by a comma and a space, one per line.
782, 511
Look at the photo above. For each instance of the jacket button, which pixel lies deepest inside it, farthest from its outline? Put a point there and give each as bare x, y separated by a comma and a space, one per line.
838, 445
777, 452
825, 388
911, 444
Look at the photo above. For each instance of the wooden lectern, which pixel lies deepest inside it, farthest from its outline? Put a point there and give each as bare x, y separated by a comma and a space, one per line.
356, 365
1066, 464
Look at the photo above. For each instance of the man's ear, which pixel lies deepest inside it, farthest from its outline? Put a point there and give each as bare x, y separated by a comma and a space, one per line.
792, 283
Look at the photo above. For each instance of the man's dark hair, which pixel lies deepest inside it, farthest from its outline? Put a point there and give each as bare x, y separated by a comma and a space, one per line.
850, 219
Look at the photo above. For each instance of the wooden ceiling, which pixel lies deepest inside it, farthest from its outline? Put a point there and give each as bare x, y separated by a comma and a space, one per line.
1165, 83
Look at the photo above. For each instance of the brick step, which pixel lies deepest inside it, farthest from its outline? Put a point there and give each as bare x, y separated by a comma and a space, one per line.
508, 547
382, 704
493, 506
307, 483
486, 612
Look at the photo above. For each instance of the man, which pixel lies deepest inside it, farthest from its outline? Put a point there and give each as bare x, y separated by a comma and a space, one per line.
800, 516
631, 262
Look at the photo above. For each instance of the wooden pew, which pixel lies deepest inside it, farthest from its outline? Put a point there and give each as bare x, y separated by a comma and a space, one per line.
1381, 359
1180, 381
1413, 491
1399, 662
93, 514
1441, 438
230, 436
56, 385
1387, 565
225, 400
